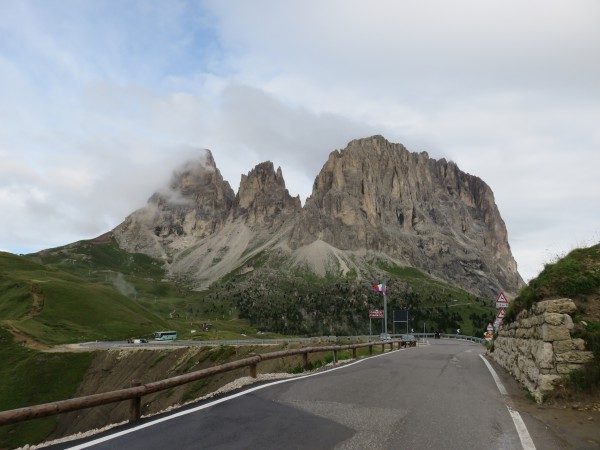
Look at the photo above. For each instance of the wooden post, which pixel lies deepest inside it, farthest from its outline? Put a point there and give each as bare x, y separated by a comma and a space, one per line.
305, 361
354, 353
135, 404
253, 370
370, 349
382, 348
335, 356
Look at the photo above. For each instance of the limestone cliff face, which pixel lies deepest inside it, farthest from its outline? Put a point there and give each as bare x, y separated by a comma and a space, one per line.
374, 199
263, 199
196, 204
378, 196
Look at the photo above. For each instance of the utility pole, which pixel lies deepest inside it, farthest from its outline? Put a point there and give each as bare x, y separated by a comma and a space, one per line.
385, 309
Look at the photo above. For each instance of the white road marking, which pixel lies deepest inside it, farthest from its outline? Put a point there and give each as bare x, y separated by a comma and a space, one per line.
501, 387
221, 400
524, 436
526, 441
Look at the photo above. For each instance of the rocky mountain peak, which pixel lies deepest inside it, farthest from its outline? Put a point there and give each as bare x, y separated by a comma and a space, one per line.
195, 204
378, 196
263, 198
373, 200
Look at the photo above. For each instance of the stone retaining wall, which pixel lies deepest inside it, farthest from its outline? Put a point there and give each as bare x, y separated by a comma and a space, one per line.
537, 347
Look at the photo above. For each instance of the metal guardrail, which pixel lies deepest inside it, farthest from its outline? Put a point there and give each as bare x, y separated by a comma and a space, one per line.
451, 336
137, 390
267, 341
232, 342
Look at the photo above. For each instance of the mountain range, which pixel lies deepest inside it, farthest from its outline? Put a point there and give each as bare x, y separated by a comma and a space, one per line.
372, 203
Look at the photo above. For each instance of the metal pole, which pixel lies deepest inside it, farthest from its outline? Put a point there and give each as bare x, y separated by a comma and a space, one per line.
407, 321
385, 310
370, 328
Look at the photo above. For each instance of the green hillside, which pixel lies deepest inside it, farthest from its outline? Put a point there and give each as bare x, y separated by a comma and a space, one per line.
576, 276
52, 306
295, 301
28, 377
273, 296
143, 280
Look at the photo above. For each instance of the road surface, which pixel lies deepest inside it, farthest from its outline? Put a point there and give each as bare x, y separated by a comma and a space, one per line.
439, 396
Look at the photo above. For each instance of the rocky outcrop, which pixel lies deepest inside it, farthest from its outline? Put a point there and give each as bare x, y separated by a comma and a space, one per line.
263, 199
372, 200
537, 348
196, 204
426, 213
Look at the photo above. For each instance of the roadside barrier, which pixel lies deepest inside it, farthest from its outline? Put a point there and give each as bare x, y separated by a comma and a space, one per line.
137, 390
451, 336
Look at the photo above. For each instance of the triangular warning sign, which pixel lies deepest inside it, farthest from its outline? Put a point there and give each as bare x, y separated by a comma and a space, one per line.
501, 301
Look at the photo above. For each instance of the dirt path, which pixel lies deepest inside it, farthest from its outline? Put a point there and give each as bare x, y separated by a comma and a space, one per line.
22, 338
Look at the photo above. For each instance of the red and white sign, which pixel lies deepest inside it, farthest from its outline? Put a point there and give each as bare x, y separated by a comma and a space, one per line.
501, 301
376, 314
501, 313
490, 327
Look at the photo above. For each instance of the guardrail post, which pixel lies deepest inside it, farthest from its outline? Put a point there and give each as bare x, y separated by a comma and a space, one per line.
335, 356
135, 404
305, 360
253, 370
370, 349
354, 353
382, 348
391, 346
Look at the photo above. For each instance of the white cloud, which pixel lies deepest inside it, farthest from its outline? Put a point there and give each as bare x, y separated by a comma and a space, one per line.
99, 105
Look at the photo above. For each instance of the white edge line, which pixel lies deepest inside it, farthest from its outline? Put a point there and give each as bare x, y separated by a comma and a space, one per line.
524, 436
526, 441
221, 400
501, 387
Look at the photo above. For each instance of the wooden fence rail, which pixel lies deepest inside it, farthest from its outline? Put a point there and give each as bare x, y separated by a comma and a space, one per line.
137, 390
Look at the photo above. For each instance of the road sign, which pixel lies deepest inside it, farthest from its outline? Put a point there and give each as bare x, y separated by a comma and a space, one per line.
400, 315
490, 327
501, 313
501, 301
376, 314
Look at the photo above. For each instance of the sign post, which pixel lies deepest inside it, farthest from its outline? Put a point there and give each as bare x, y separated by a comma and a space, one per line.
374, 314
501, 301
400, 316
381, 288
384, 311
501, 305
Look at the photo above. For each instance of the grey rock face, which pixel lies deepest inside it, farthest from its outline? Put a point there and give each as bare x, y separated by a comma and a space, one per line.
196, 204
377, 195
263, 199
373, 198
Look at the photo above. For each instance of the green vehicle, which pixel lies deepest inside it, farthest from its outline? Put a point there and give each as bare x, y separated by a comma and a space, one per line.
165, 335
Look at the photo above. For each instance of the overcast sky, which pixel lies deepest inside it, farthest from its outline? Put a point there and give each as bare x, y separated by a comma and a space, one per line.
100, 100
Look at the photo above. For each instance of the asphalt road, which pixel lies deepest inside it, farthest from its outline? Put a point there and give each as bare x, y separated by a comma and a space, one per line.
440, 396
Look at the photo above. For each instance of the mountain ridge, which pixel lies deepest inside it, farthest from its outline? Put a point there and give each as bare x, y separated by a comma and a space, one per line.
373, 200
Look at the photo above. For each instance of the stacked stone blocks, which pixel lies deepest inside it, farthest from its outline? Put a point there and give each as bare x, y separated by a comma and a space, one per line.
537, 348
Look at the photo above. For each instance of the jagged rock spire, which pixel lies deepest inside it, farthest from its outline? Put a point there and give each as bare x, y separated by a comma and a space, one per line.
263, 199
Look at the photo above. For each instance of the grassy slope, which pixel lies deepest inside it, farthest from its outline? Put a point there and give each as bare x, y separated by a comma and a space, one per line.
144, 280
28, 377
576, 276
292, 302
52, 306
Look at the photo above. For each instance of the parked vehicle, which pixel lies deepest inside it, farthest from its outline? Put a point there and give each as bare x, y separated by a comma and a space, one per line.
165, 335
